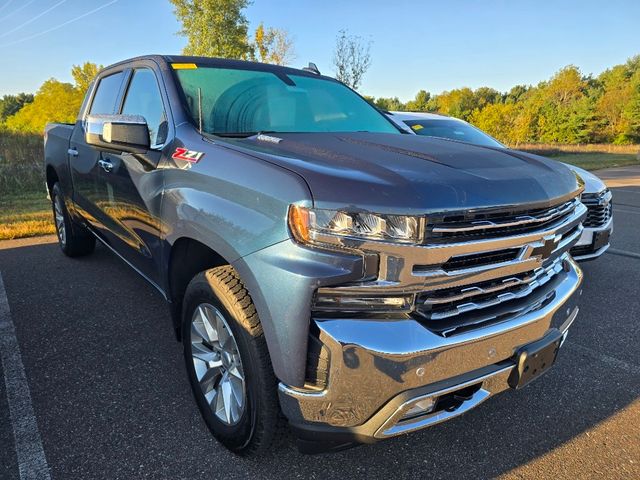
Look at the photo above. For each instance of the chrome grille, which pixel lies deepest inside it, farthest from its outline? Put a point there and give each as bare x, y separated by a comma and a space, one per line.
475, 260
447, 303
487, 224
498, 313
599, 208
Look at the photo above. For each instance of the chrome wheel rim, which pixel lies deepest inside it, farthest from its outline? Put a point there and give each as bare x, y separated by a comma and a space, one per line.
59, 218
217, 364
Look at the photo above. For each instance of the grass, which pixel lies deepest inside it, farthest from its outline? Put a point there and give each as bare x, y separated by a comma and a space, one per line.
24, 208
597, 161
25, 215
550, 149
21, 162
591, 156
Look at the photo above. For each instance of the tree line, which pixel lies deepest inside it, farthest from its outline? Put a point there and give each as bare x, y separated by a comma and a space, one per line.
568, 108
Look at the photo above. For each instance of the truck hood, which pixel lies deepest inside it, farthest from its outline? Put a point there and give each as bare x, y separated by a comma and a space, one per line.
392, 173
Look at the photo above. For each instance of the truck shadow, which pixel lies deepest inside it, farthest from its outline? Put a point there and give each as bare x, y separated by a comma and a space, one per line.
106, 375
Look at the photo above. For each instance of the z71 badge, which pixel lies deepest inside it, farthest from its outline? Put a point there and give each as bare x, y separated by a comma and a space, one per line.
187, 155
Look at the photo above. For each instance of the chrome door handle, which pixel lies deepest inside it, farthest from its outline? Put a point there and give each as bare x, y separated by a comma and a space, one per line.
106, 165
73, 152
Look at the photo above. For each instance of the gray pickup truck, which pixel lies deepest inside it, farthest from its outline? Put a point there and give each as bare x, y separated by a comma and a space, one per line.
323, 268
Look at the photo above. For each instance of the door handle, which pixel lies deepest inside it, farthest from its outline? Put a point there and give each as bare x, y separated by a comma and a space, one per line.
73, 152
106, 165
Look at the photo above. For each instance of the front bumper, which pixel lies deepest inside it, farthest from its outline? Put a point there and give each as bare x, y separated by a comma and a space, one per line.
380, 368
586, 248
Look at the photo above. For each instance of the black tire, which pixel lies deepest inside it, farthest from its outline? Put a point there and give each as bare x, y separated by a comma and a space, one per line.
261, 424
74, 239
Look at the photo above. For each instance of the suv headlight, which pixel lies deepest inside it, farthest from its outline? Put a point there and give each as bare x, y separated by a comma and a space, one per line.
319, 226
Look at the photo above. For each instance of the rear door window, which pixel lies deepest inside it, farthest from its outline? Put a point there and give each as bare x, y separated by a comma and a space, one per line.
104, 101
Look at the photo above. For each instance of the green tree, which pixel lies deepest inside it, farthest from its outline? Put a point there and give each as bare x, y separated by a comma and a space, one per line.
631, 112
55, 101
566, 110
272, 45
84, 74
10, 104
420, 103
498, 120
486, 96
566, 86
389, 104
370, 99
214, 28
515, 94
617, 90
459, 103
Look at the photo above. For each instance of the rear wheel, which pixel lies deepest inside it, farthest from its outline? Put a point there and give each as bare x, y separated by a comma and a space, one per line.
228, 363
73, 238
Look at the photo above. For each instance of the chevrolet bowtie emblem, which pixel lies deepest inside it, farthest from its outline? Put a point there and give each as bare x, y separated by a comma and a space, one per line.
604, 198
545, 251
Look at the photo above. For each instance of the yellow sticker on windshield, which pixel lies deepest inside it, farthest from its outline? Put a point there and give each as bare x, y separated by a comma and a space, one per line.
183, 66
417, 126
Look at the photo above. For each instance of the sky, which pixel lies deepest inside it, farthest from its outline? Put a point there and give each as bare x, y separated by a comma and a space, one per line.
420, 44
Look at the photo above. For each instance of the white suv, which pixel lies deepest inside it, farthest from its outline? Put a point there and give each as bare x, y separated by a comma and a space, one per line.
596, 196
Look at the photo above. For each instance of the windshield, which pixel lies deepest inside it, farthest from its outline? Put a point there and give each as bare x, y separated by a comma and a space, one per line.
454, 130
237, 102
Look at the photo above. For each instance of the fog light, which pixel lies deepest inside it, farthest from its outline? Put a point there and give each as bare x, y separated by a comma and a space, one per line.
420, 408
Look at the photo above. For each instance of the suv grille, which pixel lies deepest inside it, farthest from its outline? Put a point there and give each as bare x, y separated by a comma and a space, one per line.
599, 208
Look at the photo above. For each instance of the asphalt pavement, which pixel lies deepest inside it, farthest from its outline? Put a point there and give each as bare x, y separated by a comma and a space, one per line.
103, 391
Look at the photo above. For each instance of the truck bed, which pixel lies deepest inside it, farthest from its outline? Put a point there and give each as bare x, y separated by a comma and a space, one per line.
56, 143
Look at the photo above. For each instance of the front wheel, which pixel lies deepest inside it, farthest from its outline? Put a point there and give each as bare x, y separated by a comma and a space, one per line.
228, 364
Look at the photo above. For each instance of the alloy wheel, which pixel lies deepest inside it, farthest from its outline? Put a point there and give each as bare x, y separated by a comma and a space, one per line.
217, 364
59, 218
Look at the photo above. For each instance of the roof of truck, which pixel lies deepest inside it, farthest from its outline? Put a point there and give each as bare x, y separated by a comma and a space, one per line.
166, 60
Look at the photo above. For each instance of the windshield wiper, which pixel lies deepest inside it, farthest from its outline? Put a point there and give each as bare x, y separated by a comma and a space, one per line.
241, 134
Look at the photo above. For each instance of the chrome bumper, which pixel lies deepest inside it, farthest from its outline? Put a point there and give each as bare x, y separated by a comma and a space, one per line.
379, 368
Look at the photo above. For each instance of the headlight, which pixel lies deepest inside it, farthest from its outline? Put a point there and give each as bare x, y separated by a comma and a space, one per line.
317, 226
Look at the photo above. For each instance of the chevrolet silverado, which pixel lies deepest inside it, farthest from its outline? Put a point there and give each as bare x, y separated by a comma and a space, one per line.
323, 269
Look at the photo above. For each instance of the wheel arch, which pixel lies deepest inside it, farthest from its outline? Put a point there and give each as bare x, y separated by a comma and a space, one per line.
187, 257
51, 177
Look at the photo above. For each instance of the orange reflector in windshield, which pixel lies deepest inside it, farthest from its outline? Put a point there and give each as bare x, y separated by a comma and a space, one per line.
184, 66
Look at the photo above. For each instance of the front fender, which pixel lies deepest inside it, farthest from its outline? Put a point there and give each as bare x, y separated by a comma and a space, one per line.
281, 280
234, 203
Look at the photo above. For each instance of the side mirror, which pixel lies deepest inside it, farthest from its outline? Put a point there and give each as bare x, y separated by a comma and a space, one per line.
121, 133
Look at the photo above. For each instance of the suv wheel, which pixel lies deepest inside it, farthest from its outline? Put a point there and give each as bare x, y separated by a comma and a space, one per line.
228, 363
73, 238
